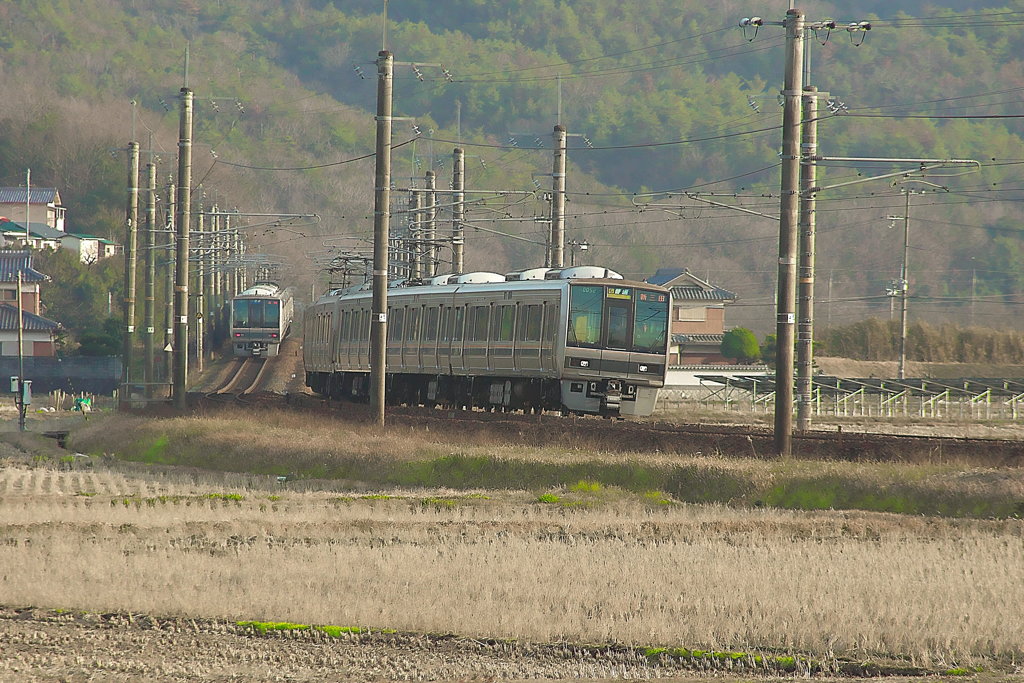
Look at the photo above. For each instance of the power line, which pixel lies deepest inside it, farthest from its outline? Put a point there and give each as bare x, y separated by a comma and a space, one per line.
309, 168
683, 141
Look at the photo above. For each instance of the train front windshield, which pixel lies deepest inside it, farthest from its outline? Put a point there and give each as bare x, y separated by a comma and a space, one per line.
253, 313
620, 318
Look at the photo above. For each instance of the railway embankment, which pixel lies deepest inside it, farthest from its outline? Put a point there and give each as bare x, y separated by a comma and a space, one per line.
305, 448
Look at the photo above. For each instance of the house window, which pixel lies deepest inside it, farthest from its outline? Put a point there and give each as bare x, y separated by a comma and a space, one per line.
693, 315
8, 295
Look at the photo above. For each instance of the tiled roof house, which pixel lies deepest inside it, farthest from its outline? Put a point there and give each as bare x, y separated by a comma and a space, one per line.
38, 332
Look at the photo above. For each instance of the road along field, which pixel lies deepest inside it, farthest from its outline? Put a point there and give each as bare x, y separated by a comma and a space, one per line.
568, 564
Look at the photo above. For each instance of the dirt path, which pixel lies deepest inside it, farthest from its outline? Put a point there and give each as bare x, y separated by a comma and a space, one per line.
47, 645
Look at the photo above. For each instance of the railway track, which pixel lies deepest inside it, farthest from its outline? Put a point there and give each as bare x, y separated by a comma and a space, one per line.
244, 380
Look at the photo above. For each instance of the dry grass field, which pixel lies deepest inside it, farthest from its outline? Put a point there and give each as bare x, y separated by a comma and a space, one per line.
578, 577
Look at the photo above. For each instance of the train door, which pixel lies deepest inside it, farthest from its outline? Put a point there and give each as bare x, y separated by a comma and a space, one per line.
364, 339
529, 321
396, 336
478, 319
444, 339
428, 348
617, 330
457, 358
411, 349
551, 335
500, 340
341, 342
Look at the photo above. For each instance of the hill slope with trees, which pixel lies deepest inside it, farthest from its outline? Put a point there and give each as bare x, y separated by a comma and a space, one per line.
672, 98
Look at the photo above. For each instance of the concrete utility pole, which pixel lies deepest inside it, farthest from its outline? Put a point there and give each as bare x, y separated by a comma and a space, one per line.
200, 282
182, 222
149, 305
238, 280
805, 294
28, 205
430, 250
130, 264
21, 357
901, 370
209, 321
414, 245
458, 208
169, 287
381, 218
788, 216
219, 244
558, 200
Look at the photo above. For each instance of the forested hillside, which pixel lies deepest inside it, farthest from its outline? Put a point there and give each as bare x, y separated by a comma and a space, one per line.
661, 97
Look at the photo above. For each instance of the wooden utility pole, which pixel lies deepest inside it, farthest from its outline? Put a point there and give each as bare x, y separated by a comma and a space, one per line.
558, 200
149, 305
130, 264
182, 224
458, 208
805, 290
381, 218
788, 218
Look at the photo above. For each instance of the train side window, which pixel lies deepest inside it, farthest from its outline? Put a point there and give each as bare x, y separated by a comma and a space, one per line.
430, 324
395, 319
412, 324
458, 320
503, 324
471, 323
479, 316
529, 323
346, 322
445, 324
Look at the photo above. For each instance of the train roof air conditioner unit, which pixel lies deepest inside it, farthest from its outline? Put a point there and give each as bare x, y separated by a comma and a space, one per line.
585, 272
476, 278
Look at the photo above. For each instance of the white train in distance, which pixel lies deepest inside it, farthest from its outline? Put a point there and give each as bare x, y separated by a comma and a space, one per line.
578, 340
261, 317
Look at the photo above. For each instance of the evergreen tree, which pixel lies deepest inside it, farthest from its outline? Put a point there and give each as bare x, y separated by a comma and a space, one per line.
741, 344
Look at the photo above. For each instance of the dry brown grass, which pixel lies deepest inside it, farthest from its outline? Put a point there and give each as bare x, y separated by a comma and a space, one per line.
617, 569
358, 455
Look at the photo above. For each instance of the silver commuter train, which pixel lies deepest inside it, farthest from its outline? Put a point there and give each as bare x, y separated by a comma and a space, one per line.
260, 318
579, 340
